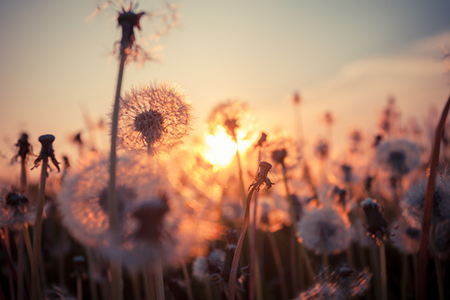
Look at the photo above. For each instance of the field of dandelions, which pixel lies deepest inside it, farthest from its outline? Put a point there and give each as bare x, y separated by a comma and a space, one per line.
241, 214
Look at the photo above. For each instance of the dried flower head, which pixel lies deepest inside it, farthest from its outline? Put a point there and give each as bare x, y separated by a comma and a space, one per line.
144, 48
376, 224
398, 156
405, 237
235, 117
155, 118
325, 230
24, 148
15, 210
155, 223
413, 200
46, 151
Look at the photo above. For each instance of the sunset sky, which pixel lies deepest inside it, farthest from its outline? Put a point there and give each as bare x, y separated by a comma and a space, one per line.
347, 57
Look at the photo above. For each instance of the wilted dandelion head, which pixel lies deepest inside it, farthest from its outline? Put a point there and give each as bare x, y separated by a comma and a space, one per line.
140, 48
235, 117
413, 200
376, 224
398, 156
405, 237
24, 147
156, 118
15, 210
325, 231
154, 222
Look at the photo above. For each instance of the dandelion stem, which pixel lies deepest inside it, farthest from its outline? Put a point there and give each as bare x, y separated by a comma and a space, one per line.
90, 262
437, 263
237, 254
23, 176
159, 281
383, 272
241, 177
149, 285
405, 277
37, 236
26, 236
278, 264
187, 279
79, 288
428, 206
20, 267
112, 203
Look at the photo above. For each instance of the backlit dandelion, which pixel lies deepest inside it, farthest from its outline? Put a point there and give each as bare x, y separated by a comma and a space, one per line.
413, 200
156, 118
325, 231
154, 224
405, 237
205, 267
351, 283
398, 156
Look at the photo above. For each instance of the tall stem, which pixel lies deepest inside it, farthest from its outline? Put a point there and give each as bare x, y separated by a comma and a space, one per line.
278, 264
437, 263
241, 176
383, 272
116, 270
35, 288
428, 206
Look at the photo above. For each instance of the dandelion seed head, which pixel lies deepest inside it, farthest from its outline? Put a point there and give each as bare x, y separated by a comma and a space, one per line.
205, 266
156, 118
398, 156
236, 117
404, 237
155, 223
413, 200
325, 231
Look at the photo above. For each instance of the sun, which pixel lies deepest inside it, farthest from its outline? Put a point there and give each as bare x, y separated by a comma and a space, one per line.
220, 148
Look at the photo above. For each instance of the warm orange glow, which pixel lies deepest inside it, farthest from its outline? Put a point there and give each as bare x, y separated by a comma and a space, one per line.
220, 148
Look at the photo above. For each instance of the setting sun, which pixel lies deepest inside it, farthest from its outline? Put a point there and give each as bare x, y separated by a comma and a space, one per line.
220, 148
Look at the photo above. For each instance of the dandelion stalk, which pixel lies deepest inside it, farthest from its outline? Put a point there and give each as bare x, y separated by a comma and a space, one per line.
24, 150
46, 153
127, 20
437, 263
384, 292
428, 206
278, 264
187, 279
260, 179
90, 262
253, 254
405, 277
